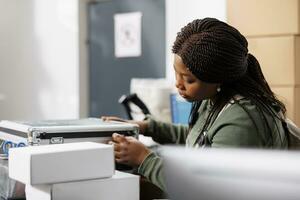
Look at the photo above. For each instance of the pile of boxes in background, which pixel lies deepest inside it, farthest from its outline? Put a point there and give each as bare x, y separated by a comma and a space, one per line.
272, 28
162, 99
155, 93
83, 170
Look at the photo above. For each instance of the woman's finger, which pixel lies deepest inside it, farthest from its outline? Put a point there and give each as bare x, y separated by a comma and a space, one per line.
113, 118
119, 155
118, 138
130, 138
117, 147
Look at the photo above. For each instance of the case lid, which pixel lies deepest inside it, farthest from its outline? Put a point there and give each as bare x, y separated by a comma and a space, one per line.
86, 124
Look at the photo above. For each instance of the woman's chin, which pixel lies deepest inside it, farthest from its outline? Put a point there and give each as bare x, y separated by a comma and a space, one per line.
187, 98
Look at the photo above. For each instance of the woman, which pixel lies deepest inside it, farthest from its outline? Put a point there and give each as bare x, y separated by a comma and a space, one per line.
233, 105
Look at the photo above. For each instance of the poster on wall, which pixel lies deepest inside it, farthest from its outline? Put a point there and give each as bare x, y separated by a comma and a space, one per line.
128, 34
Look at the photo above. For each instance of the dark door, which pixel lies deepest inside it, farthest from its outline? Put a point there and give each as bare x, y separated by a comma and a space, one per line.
109, 77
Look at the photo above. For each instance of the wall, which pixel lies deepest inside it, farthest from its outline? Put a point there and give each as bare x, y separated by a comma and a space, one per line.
39, 59
44, 59
180, 12
83, 58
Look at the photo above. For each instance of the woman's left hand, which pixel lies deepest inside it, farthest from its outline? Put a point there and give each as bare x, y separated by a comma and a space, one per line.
128, 150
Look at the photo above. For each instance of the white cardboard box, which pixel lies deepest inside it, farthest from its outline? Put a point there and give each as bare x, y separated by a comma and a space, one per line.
122, 186
56, 163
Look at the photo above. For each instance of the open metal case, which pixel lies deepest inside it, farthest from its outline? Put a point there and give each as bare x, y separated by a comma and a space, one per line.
63, 131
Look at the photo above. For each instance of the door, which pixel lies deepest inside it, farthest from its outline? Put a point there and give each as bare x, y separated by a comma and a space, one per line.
109, 76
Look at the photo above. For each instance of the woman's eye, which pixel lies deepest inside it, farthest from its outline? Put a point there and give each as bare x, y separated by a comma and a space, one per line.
188, 80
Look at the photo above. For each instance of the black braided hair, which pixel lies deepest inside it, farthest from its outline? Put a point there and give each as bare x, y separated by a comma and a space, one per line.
216, 52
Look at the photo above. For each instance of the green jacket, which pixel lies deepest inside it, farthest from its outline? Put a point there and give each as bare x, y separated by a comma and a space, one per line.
234, 127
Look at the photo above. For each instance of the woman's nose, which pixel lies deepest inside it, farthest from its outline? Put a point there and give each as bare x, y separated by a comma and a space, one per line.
178, 84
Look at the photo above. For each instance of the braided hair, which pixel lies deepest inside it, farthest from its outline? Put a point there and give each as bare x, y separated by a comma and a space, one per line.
216, 52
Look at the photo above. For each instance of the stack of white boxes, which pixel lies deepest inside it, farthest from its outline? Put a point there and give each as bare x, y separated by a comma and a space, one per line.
71, 171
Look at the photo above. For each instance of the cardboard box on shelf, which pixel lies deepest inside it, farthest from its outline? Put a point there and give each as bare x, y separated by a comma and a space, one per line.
120, 186
290, 96
56, 163
279, 58
264, 17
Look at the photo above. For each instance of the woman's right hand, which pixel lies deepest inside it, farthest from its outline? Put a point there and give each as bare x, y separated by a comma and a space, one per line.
129, 150
143, 125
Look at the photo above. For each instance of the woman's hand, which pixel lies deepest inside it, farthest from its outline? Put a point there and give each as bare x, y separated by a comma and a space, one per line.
143, 125
128, 150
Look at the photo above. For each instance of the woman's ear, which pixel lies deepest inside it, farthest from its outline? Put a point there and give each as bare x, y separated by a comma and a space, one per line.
219, 88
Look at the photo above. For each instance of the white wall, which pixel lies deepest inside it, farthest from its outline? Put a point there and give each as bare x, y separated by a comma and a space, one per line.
43, 55
180, 12
39, 59
83, 58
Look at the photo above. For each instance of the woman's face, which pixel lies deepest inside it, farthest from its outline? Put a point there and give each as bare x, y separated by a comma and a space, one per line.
190, 87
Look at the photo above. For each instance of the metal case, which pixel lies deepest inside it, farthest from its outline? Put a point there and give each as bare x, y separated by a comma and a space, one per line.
63, 131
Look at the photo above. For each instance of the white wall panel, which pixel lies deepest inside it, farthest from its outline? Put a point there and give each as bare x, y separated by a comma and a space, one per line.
39, 59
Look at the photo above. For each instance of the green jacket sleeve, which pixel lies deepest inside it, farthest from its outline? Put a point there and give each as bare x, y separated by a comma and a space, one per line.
151, 168
166, 133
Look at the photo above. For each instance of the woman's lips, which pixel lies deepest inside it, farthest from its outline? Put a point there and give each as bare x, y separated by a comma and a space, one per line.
183, 95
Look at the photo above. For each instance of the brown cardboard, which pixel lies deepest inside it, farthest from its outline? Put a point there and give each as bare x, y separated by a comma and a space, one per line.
279, 58
290, 96
264, 17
